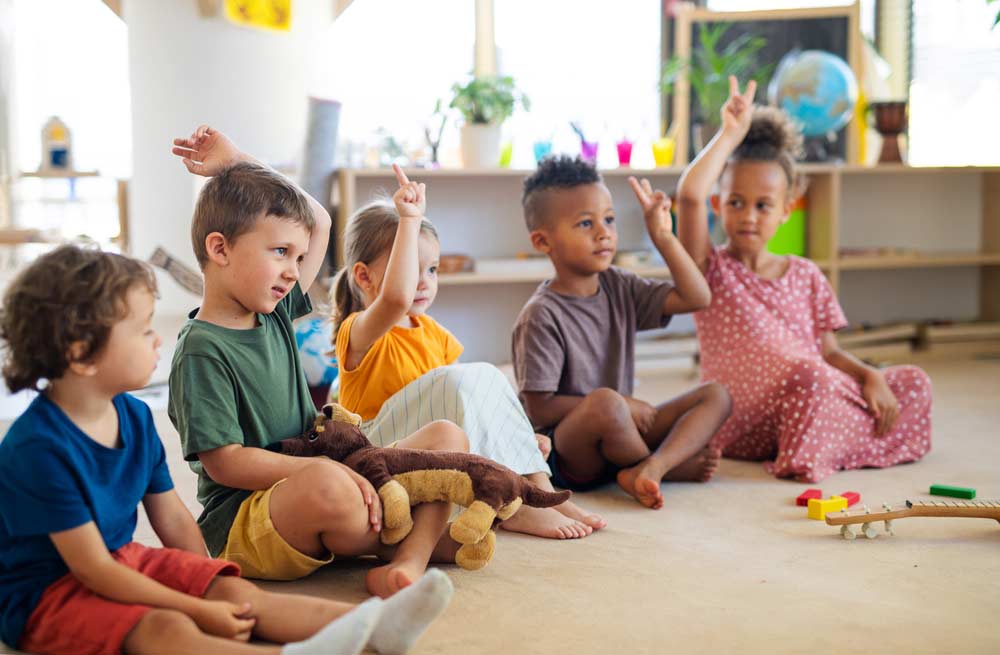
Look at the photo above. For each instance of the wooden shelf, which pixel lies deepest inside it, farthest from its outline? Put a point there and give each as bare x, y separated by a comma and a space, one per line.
918, 260
60, 174
500, 172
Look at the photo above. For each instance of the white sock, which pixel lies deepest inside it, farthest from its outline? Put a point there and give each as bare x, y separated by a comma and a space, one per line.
409, 612
346, 635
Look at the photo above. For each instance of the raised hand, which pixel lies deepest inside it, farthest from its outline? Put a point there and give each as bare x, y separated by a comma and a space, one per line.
738, 110
655, 208
208, 152
410, 199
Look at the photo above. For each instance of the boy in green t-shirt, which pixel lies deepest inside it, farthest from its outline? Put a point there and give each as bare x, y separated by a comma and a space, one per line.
236, 386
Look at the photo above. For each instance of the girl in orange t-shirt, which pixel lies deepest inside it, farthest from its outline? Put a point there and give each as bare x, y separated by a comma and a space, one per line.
398, 366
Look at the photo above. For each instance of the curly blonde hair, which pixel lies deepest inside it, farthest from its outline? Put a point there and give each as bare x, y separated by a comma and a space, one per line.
70, 295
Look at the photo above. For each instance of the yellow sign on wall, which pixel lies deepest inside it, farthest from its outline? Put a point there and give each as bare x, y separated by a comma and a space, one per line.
265, 14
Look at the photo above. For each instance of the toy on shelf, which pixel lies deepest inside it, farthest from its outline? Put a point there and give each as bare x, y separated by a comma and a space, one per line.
57, 155
805, 496
955, 492
979, 509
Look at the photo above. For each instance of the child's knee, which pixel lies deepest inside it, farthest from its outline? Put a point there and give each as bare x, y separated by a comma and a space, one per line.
445, 435
327, 490
807, 376
165, 622
231, 588
717, 396
607, 410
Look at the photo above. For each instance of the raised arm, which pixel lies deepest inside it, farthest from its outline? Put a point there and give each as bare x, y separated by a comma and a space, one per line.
690, 292
398, 286
699, 177
208, 152
83, 550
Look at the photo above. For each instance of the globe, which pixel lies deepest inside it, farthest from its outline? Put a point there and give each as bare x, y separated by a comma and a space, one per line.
816, 88
313, 339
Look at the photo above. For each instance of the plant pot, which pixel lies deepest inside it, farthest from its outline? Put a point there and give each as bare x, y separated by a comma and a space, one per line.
480, 145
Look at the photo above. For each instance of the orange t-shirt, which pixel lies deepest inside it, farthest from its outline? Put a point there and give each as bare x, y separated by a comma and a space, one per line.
398, 358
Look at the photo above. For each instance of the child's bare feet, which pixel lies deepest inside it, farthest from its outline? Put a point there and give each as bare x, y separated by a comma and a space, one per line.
639, 483
700, 467
384, 581
546, 522
574, 511
544, 445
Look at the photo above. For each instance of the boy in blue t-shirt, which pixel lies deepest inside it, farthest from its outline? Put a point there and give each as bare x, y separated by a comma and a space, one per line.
74, 466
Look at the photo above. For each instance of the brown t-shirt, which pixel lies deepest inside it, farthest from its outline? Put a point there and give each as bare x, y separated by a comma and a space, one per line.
572, 345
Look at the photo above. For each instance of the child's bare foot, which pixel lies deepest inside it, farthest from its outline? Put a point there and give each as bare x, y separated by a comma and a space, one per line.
641, 485
544, 445
700, 467
574, 511
384, 581
546, 522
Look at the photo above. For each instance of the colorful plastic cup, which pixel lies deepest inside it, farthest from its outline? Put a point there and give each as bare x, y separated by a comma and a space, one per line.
663, 151
588, 150
506, 152
624, 152
542, 150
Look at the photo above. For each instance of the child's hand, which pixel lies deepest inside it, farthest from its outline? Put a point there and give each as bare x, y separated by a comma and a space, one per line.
544, 445
881, 402
643, 414
224, 619
655, 208
371, 497
738, 110
410, 198
208, 152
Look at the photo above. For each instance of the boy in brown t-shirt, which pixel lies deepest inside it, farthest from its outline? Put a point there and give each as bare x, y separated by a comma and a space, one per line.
574, 341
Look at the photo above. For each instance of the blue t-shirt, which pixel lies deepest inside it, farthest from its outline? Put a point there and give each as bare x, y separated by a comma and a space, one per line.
53, 477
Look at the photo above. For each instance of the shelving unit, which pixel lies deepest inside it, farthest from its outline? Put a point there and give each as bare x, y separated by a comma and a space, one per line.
943, 225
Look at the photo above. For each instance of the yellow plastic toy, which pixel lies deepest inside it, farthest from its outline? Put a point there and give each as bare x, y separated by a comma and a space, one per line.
818, 509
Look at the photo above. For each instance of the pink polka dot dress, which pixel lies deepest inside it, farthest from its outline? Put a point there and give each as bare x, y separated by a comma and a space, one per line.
761, 339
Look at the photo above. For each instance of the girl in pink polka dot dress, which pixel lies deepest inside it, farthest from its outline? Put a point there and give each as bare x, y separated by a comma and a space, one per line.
800, 403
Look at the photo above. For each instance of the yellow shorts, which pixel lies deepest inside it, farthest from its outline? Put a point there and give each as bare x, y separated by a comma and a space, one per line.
257, 547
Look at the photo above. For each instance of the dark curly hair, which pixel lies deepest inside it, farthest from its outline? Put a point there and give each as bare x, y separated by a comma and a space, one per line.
773, 136
557, 172
70, 295
232, 201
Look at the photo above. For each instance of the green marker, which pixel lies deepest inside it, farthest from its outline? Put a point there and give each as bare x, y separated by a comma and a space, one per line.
955, 492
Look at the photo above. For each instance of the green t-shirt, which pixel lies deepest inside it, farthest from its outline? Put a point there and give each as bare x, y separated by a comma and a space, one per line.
237, 387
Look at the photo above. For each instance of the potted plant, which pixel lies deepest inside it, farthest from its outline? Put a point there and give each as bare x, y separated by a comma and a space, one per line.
485, 103
708, 72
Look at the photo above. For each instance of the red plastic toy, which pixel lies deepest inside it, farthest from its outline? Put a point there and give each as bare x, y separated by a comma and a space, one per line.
803, 499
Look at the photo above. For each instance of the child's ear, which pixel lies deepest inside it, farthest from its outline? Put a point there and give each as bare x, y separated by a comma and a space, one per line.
77, 364
217, 248
540, 241
716, 203
362, 276
789, 203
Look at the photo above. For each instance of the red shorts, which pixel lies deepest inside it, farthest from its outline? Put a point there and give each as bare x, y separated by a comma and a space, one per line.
70, 618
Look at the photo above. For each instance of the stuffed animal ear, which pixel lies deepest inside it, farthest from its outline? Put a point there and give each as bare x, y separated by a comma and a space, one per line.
328, 410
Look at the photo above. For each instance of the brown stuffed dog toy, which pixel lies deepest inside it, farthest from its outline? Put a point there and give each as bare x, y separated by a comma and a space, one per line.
405, 477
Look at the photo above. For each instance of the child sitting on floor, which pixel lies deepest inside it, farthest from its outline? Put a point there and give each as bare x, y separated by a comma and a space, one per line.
237, 386
397, 364
574, 341
76, 463
799, 401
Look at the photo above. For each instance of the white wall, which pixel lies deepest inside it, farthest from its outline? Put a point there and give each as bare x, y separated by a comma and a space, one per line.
185, 70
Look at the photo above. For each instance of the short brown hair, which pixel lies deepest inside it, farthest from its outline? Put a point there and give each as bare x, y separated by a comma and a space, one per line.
69, 295
773, 136
232, 202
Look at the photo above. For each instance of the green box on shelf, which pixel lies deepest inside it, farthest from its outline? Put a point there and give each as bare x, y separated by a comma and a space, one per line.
790, 239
